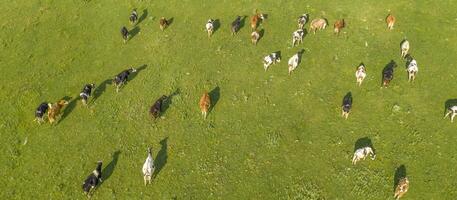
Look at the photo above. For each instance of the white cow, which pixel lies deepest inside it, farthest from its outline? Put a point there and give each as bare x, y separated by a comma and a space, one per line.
293, 63
362, 153
210, 27
148, 168
273, 58
360, 74
404, 48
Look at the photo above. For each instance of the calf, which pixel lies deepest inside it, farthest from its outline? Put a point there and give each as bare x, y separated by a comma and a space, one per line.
339, 24
273, 58
404, 47
133, 17
54, 110
40, 112
402, 188
318, 24
125, 34
256, 19
156, 109
210, 27
451, 111
205, 103
121, 79
360, 74
412, 70
387, 76
293, 62
390, 20
362, 153
346, 106
164, 23
236, 25
302, 21
93, 180
86, 92
297, 37
148, 168
255, 36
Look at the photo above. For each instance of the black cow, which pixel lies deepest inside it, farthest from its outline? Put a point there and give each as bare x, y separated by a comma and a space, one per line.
41, 111
133, 17
347, 105
125, 34
156, 109
122, 77
93, 179
86, 92
387, 76
236, 25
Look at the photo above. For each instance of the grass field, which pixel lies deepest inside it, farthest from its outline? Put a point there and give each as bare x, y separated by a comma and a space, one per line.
269, 135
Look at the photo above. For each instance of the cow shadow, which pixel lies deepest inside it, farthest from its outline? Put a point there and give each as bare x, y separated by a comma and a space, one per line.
300, 55
261, 34
214, 96
162, 157
363, 142
347, 99
216, 25
134, 32
170, 21
101, 88
68, 108
400, 173
138, 70
109, 169
169, 100
449, 103
242, 22
143, 16
389, 67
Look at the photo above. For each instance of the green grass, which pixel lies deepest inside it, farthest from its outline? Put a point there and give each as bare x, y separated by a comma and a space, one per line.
269, 136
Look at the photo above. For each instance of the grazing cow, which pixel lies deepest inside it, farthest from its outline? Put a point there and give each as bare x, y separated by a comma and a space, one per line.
125, 34
360, 74
318, 24
297, 37
236, 25
256, 19
156, 109
40, 111
412, 70
302, 21
148, 168
387, 76
402, 188
205, 103
210, 27
293, 62
362, 153
346, 107
390, 20
164, 23
86, 92
255, 36
133, 17
339, 24
451, 111
54, 110
93, 180
404, 47
273, 58
120, 79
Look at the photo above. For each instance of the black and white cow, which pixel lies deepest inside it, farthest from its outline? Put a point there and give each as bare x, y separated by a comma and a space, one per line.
347, 105
125, 33
86, 92
122, 78
156, 109
236, 25
133, 17
93, 179
273, 58
41, 111
302, 20
297, 37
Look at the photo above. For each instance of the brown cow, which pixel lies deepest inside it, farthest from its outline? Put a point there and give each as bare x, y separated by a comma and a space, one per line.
256, 19
163, 23
339, 24
402, 188
318, 24
54, 110
205, 103
390, 20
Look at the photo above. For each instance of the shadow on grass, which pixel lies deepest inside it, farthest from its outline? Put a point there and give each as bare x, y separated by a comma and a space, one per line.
138, 70
162, 156
169, 100
134, 32
363, 142
216, 25
143, 16
214, 95
101, 88
109, 169
69, 108
400, 173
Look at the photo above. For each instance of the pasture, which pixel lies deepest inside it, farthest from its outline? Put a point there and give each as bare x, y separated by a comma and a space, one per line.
269, 135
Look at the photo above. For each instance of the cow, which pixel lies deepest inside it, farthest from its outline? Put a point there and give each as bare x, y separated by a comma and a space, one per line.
402, 188
360, 73
256, 19
93, 180
390, 20
54, 110
86, 92
125, 33
404, 48
302, 20
387, 76
339, 24
210, 27
346, 106
40, 112
133, 17
412, 70
362, 153
255, 36
156, 109
205, 103
318, 24
121, 79
451, 111
164, 23
148, 168
236, 25
273, 58
293, 62
297, 37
